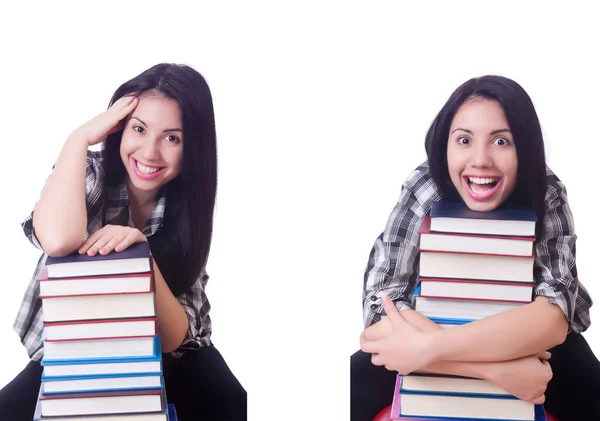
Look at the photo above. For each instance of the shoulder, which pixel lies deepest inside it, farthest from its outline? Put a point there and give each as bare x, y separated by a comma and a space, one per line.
421, 185
556, 192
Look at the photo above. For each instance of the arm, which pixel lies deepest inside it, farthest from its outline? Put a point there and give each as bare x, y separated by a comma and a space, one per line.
527, 330
525, 378
60, 224
60, 216
172, 319
392, 268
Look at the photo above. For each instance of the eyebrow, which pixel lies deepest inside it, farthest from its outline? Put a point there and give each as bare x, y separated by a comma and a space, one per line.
492, 132
164, 131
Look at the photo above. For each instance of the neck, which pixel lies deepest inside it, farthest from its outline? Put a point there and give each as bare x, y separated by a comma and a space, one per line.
141, 204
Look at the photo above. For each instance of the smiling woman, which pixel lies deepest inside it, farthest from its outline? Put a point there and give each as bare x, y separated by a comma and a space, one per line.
485, 148
154, 180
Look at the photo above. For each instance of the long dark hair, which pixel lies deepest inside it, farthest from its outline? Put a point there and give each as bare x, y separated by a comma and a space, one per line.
524, 125
182, 244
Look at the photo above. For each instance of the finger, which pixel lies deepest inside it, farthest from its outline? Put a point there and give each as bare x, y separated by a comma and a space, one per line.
101, 242
539, 400
391, 311
378, 330
91, 240
378, 359
369, 347
124, 101
110, 245
134, 237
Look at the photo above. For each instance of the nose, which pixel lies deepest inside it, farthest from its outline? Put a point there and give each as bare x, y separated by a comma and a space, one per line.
151, 151
482, 157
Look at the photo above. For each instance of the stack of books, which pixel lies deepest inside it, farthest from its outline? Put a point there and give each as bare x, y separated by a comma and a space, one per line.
472, 265
102, 352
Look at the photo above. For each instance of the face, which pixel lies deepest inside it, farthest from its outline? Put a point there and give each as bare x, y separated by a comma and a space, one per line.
482, 157
152, 143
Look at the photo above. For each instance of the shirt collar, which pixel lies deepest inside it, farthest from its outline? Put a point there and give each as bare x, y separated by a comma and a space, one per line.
118, 211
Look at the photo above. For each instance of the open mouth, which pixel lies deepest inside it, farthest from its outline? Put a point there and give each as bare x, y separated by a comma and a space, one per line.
146, 171
481, 187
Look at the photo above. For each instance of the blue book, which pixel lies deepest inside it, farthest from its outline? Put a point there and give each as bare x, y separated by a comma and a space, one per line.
134, 259
459, 219
399, 413
156, 351
102, 384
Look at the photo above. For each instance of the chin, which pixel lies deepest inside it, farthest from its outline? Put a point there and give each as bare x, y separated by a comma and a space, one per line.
480, 205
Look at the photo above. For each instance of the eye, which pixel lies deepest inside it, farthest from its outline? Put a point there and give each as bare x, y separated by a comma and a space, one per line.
172, 138
463, 140
138, 129
501, 141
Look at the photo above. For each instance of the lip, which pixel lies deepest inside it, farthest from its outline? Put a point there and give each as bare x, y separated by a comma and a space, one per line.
481, 197
143, 176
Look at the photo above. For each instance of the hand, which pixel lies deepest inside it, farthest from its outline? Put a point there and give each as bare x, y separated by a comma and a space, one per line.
395, 343
110, 121
526, 378
111, 237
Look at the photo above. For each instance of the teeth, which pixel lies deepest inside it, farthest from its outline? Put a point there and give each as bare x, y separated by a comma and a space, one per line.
146, 170
480, 180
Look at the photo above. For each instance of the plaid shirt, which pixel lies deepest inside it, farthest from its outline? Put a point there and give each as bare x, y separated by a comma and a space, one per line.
393, 265
109, 206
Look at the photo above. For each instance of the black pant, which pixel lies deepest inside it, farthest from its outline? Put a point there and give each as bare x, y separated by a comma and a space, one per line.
573, 394
199, 384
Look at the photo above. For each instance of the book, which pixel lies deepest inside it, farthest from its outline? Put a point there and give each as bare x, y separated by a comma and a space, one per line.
94, 285
134, 259
96, 403
458, 218
476, 290
435, 264
101, 368
471, 408
101, 384
473, 243
94, 307
98, 349
451, 385
101, 329
465, 310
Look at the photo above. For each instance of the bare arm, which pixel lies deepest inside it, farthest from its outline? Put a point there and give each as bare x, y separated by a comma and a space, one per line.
527, 330
172, 320
526, 378
60, 216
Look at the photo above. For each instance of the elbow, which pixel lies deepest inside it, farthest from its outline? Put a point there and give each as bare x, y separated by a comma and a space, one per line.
170, 346
58, 248
57, 243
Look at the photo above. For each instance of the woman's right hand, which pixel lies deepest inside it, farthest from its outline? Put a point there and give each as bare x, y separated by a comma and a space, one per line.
98, 128
526, 378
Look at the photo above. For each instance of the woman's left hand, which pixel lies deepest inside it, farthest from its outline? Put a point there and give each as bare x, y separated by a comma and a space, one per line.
111, 237
395, 343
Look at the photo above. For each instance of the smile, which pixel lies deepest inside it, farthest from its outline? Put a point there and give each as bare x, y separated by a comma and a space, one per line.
482, 188
146, 172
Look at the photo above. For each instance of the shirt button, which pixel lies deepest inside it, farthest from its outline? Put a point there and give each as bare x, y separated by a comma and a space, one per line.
373, 306
374, 298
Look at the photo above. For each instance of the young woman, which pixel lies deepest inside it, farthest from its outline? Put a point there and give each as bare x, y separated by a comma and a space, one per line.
484, 148
154, 180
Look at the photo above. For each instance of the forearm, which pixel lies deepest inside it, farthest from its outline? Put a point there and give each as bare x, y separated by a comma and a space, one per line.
479, 370
60, 217
172, 320
520, 332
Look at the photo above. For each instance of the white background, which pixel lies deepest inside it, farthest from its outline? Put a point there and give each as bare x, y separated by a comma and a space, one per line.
321, 113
